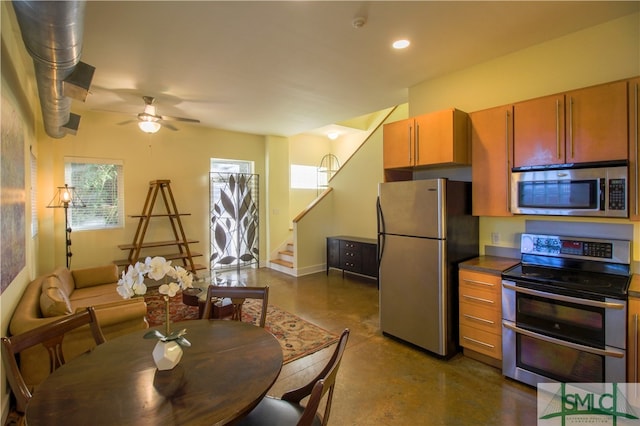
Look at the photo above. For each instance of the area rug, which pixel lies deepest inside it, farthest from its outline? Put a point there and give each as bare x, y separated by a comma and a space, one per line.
297, 336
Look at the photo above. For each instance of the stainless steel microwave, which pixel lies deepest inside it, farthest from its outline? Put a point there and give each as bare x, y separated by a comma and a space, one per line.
571, 191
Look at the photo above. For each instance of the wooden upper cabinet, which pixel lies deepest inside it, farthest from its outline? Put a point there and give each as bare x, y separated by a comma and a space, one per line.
437, 138
442, 138
580, 126
397, 147
539, 131
597, 123
491, 148
634, 147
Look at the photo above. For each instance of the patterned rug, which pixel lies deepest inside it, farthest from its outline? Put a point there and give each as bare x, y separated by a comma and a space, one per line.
297, 337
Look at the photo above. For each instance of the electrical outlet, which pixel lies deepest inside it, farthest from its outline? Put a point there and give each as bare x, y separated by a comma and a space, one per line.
495, 238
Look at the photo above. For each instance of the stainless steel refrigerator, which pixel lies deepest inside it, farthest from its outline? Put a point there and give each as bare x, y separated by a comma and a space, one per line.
425, 228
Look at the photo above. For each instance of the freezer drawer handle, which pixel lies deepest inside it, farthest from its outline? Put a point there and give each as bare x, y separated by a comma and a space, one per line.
478, 342
478, 299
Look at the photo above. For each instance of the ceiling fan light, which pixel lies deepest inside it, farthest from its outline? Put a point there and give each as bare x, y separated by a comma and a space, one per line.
149, 126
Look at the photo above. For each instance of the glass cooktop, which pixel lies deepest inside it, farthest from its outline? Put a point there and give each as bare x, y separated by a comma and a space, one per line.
575, 282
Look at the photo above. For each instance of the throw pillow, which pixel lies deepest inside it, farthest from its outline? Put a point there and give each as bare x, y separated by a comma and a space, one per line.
89, 277
53, 300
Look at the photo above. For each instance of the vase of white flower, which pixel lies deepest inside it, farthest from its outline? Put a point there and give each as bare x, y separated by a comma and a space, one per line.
168, 351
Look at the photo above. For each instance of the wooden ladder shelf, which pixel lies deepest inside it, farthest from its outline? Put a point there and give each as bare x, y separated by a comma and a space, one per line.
171, 212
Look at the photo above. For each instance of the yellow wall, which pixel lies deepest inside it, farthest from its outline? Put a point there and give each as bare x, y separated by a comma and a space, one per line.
599, 54
18, 89
350, 208
181, 156
277, 201
305, 150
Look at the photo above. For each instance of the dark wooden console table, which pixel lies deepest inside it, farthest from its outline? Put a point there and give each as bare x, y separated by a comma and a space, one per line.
353, 254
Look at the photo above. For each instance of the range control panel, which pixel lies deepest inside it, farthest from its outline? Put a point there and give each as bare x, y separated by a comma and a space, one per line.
618, 251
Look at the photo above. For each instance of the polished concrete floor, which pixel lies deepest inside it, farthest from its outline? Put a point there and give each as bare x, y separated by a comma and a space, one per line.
382, 381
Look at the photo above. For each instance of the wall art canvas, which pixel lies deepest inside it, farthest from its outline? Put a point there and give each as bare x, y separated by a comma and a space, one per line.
12, 194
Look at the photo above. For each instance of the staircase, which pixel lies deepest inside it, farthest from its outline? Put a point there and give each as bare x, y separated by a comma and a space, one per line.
285, 261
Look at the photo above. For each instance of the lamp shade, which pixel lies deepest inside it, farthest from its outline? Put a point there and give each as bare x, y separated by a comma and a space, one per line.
66, 196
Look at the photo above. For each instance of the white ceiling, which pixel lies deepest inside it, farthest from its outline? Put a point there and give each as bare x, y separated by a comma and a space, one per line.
284, 68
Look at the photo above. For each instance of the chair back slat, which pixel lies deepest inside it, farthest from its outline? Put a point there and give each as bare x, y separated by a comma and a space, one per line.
323, 384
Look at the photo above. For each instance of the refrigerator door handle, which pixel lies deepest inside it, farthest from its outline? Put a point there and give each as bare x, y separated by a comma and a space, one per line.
380, 218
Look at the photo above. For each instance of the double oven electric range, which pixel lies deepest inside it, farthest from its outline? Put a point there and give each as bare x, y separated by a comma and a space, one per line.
564, 310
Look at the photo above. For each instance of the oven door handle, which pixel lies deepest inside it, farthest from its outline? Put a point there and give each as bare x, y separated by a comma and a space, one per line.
606, 305
616, 353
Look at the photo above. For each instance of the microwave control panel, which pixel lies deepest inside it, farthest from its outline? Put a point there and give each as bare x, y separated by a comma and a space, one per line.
617, 194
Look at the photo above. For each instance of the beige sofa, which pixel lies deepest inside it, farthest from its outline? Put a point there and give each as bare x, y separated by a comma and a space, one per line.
64, 291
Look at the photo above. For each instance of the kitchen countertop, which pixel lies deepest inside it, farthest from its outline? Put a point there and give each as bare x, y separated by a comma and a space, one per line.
491, 264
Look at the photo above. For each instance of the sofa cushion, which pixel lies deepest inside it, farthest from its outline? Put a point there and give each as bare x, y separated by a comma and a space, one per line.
66, 279
53, 300
91, 296
89, 277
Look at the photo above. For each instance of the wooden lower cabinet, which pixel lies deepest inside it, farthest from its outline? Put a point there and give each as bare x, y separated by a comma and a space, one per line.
633, 340
480, 308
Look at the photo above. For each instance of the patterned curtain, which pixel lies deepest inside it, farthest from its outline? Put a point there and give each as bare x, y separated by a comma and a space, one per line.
234, 220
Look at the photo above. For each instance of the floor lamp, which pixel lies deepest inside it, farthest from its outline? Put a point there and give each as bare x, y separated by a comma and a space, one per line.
66, 197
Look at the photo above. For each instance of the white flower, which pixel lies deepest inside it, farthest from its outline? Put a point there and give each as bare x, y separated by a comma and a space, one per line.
125, 291
184, 277
158, 267
169, 289
132, 281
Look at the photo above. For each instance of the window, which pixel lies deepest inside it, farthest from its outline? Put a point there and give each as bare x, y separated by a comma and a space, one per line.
305, 177
100, 185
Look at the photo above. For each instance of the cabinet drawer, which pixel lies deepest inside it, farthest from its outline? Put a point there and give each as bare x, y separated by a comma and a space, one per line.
479, 297
480, 317
349, 246
489, 344
481, 281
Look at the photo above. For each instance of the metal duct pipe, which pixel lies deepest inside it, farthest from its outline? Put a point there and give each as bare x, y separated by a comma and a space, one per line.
52, 33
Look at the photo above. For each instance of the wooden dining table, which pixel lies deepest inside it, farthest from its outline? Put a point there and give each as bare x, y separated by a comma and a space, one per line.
220, 378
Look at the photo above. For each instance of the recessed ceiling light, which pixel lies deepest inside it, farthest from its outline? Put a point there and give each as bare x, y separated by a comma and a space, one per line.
333, 135
401, 44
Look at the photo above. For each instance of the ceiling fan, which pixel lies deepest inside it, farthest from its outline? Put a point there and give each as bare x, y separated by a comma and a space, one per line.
149, 121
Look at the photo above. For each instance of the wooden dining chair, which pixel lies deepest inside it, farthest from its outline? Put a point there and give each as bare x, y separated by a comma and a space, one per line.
50, 336
238, 295
287, 409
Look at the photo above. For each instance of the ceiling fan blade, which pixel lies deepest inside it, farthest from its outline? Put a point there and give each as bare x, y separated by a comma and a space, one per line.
126, 122
169, 126
170, 118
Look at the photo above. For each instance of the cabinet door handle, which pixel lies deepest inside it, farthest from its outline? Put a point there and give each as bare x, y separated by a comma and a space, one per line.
558, 129
508, 164
478, 342
417, 148
637, 141
409, 142
478, 299
635, 348
571, 126
471, 317
484, 283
